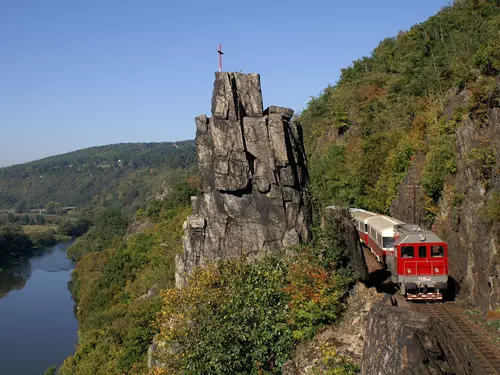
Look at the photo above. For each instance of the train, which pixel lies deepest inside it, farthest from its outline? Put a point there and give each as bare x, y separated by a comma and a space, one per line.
416, 257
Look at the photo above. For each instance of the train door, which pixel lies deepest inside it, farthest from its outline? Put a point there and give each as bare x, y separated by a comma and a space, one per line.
423, 264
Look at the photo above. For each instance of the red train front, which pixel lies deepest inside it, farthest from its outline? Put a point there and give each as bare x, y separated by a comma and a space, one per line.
422, 262
416, 257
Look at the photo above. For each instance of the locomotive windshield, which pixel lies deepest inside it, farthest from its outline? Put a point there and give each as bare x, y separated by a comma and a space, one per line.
437, 251
407, 252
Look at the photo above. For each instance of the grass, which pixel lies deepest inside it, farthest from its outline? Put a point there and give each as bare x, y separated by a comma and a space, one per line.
35, 229
473, 312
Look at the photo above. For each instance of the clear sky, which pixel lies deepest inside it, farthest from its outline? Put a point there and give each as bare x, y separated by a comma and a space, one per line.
80, 73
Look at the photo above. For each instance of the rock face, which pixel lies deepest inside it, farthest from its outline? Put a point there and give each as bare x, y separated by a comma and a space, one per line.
344, 338
461, 219
254, 176
401, 342
341, 220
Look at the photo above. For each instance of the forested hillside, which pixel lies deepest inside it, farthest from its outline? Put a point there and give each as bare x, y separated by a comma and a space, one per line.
414, 130
126, 172
121, 269
364, 132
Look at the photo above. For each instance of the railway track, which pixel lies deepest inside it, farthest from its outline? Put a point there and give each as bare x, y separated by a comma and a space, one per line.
463, 330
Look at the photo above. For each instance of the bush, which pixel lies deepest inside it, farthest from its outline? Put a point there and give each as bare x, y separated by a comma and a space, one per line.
73, 228
13, 243
441, 161
236, 317
229, 319
43, 239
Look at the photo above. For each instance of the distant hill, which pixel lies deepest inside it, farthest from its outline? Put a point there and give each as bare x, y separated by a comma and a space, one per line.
125, 172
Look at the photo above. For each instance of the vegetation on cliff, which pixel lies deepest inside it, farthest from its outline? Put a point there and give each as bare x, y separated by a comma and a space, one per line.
117, 279
235, 317
98, 176
365, 131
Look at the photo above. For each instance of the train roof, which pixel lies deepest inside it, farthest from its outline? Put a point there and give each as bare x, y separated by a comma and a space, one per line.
411, 233
384, 224
361, 214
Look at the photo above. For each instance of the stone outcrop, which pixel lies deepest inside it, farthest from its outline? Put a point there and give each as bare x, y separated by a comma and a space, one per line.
339, 220
254, 176
398, 342
345, 338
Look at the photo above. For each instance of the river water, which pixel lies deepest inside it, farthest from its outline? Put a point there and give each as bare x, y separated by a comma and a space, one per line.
38, 328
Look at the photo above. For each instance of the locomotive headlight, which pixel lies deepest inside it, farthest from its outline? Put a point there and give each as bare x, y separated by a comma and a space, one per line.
436, 270
408, 270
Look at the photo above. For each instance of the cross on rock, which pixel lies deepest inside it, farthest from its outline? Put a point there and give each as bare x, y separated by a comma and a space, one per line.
220, 57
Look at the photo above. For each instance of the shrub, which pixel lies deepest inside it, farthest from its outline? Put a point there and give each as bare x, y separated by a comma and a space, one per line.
236, 317
73, 227
43, 239
441, 161
334, 364
229, 319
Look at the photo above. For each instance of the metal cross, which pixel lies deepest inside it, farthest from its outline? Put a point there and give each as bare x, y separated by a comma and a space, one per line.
220, 57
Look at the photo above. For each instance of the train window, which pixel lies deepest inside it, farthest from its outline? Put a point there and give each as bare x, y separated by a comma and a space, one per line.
407, 252
388, 242
366, 228
422, 251
437, 251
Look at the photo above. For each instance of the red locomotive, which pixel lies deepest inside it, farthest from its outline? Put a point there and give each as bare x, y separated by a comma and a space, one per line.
416, 257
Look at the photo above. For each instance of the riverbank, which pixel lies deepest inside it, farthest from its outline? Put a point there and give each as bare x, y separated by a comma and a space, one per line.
44, 235
20, 241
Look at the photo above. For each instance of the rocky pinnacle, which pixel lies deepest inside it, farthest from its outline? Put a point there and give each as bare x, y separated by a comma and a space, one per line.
254, 176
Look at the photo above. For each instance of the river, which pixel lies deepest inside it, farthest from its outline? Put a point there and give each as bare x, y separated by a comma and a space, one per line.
38, 328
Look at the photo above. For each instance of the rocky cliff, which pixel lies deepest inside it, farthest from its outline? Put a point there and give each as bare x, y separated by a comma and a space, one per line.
463, 212
254, 176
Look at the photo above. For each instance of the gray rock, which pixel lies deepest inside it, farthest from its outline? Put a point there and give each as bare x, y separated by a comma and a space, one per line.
398, 342
287, 113
278, 139
253, 172
340, 218
236, 95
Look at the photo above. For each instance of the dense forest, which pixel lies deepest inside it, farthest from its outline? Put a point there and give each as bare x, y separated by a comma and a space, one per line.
96, 176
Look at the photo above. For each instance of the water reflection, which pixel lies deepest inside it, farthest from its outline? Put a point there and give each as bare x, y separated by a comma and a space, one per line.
37, 324
14, 277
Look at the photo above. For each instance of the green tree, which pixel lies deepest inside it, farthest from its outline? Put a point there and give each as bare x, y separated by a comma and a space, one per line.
51, 370
73, 227
54, 208
25, 220
13, 243
21, 206
11, 218
40, 220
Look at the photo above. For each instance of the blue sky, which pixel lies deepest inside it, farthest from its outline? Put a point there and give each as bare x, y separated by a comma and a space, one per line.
80, 73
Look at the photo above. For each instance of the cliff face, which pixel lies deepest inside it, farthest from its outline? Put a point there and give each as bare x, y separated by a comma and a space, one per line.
463, 208
254, 176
